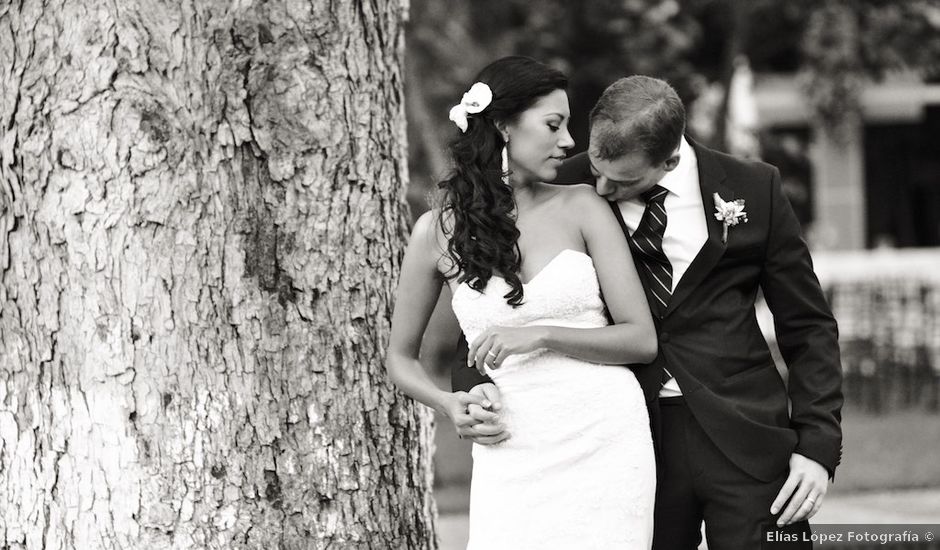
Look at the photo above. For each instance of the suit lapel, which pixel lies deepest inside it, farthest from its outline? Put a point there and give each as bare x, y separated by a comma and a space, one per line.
710, 177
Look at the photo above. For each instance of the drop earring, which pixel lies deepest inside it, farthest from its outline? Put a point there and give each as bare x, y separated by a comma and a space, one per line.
505, 165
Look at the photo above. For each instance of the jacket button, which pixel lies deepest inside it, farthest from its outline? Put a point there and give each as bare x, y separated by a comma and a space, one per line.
664, 337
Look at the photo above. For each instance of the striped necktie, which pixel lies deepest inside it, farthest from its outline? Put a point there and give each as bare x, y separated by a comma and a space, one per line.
648, 242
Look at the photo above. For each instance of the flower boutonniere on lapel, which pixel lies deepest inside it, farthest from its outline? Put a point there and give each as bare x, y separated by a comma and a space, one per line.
729, 213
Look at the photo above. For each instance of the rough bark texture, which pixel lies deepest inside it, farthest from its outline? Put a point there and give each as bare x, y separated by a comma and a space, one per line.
201, 223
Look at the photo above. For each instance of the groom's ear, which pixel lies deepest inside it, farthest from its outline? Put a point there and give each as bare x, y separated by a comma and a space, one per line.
670, 164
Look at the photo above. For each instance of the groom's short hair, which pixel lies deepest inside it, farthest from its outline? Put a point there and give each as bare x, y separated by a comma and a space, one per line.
637, 113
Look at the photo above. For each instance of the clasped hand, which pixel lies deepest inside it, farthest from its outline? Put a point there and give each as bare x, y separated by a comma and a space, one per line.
496, 343
475, 415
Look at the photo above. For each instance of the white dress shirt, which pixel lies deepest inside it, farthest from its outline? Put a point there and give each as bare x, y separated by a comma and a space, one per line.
686, 229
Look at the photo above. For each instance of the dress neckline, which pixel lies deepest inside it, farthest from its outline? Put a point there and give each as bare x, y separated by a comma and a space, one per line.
548, 264
456, 290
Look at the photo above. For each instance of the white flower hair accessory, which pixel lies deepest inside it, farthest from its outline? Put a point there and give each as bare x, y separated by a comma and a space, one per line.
729, 213
477, 98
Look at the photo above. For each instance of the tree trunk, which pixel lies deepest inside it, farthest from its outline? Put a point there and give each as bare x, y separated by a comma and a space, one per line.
201, 224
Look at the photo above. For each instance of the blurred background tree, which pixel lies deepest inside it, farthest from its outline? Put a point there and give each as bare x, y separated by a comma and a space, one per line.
847, 43
834, 47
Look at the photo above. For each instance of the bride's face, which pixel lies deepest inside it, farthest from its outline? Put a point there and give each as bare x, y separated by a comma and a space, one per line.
539, 139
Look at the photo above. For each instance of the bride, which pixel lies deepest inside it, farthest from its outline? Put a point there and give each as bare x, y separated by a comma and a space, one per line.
546, 292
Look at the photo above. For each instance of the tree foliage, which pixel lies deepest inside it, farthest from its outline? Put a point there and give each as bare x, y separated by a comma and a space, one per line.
848, 43
835, 46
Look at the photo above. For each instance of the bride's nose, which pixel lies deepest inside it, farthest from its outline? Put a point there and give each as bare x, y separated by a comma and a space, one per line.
565, 141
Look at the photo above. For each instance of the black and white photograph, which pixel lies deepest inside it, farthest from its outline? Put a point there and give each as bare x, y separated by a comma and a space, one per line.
470, 274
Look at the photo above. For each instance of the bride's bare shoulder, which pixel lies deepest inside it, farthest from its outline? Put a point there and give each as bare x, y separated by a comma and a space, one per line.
429, 228
429, 237
439, 229
575, 198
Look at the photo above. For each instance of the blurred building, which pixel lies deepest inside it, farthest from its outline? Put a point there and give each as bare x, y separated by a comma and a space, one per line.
878, 186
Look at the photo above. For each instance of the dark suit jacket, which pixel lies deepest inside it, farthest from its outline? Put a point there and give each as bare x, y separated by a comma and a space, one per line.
709, 338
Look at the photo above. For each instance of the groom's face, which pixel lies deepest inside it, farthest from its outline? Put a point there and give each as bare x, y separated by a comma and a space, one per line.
627, 176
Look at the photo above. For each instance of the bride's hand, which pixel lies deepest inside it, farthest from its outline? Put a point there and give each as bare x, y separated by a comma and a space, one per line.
456, 407
489, 429
496, 343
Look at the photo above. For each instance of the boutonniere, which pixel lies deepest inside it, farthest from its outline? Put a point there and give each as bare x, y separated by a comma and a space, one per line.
729, 213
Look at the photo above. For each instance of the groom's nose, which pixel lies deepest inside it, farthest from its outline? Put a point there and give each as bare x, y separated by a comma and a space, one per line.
603, 186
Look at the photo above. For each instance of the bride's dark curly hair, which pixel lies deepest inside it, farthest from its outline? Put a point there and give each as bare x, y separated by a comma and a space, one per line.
477, 211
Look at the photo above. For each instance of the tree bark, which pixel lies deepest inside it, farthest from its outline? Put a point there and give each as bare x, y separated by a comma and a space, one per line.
201, 224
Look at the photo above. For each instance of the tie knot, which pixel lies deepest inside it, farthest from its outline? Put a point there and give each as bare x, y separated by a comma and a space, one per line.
656, 194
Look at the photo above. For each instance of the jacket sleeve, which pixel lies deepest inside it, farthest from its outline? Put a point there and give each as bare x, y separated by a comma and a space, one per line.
462, 377
806, 334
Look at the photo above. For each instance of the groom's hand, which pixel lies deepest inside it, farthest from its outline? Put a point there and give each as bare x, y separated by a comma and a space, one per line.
486, 428
805, 488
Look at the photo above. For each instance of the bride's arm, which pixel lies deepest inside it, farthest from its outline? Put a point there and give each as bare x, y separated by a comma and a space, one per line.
418, 289
632, 337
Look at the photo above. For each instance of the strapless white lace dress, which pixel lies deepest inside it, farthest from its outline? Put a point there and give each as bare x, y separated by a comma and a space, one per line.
578, 472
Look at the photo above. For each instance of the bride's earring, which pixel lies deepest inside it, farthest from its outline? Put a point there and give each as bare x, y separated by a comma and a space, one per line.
505, 165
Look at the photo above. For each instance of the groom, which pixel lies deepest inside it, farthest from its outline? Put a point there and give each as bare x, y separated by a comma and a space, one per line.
729, 451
